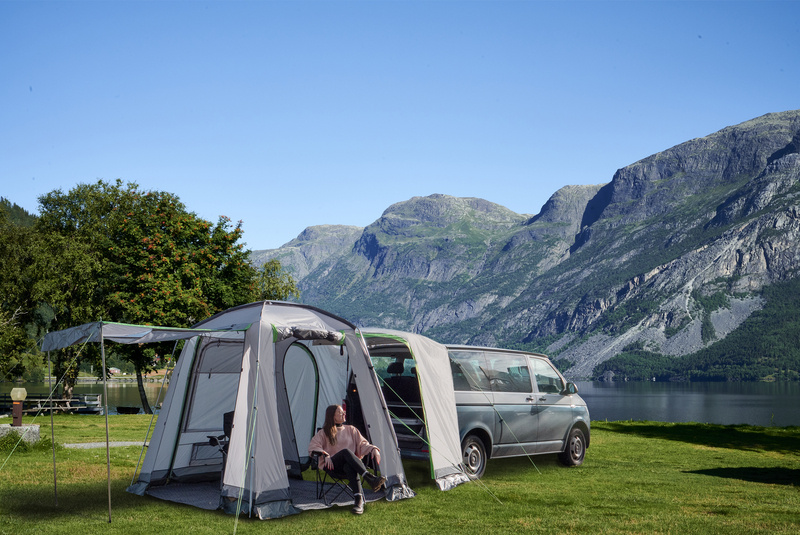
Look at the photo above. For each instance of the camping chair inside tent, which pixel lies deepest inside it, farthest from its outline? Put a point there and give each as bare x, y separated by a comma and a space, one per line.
330, 484
222, 441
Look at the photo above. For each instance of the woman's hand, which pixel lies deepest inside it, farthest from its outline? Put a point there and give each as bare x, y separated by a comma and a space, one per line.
327, 463
376, 454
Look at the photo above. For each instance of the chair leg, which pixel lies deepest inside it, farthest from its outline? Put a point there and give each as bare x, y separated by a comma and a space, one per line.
335, 484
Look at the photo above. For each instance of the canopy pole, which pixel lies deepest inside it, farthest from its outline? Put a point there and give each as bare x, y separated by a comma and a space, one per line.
52, 430
105, 403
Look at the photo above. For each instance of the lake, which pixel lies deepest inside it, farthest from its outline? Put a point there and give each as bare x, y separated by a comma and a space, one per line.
119, 394
762, 404
719, 403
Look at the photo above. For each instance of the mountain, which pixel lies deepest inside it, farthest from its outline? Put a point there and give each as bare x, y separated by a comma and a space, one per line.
668, 258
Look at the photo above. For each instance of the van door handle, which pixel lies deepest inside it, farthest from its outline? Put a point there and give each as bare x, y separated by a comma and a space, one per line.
532, 399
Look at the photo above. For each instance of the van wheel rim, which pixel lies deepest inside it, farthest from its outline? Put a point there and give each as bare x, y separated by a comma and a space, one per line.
576, 447
473, 458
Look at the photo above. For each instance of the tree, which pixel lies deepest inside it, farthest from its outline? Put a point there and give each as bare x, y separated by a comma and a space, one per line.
161, 265
66, 291
18, 351
275, 284
16, 214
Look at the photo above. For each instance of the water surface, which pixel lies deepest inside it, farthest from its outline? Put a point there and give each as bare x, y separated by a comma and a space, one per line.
719, 403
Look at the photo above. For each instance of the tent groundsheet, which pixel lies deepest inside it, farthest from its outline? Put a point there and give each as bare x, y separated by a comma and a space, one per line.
205, 495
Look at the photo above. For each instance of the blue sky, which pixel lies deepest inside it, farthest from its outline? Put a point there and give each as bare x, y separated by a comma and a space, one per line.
287, 114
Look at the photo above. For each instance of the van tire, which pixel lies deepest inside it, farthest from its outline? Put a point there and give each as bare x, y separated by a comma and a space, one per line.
473, 453
575, 449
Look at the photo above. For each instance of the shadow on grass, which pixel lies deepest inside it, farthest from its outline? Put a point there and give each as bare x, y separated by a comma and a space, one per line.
740, 437
773, 475
90, 500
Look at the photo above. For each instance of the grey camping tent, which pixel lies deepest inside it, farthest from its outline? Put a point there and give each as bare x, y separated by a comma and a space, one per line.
276, 367
277, 376
434, 394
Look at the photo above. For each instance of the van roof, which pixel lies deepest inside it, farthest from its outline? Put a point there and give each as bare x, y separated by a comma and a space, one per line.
481, 348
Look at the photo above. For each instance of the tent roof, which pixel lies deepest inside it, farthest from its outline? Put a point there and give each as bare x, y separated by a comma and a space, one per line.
125, 334
282, 313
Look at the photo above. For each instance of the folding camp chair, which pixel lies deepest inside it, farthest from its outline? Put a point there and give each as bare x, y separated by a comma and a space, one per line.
221, 442
336, 483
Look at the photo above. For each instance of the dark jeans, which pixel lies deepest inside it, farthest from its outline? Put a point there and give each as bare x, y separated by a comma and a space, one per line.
347, 466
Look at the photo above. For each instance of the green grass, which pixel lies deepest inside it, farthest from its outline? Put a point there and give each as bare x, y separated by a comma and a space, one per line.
638, 477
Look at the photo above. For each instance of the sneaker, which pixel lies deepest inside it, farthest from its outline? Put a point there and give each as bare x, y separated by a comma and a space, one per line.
358, 505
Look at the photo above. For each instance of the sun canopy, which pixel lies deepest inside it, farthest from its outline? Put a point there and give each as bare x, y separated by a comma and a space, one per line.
124, 333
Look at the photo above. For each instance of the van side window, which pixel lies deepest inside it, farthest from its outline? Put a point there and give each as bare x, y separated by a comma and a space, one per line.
468, 374
547, 379
508, 372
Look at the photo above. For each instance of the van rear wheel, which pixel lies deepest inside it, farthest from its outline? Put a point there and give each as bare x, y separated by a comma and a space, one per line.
474, 455
576, 448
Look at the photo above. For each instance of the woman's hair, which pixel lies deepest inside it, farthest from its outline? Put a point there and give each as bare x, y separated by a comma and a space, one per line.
329, 427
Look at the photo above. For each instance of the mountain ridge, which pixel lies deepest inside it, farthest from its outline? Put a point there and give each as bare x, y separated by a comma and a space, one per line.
597, 269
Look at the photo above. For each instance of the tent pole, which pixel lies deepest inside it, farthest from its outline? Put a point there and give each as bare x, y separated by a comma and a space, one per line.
52, 430
105, 403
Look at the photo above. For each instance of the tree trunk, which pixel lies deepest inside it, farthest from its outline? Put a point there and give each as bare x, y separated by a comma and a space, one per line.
142, 393
68, 377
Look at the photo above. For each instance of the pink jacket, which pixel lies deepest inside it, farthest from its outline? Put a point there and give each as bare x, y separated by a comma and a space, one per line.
347, 437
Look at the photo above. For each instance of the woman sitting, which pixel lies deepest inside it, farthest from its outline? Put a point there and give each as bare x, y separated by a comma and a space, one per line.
341, 448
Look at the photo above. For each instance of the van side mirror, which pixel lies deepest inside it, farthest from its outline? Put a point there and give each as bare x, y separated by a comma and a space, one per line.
569, 389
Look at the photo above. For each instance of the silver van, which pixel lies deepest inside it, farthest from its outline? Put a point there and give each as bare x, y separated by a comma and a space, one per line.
509, 403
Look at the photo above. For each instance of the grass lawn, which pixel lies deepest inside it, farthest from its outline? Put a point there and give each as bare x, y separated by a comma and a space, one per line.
638, 477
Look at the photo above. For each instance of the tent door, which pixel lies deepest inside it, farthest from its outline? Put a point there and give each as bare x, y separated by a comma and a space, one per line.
302, 387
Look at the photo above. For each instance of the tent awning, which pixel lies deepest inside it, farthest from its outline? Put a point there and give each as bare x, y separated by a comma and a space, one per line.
124, 334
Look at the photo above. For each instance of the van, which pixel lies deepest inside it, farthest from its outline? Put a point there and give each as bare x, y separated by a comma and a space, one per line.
509, 403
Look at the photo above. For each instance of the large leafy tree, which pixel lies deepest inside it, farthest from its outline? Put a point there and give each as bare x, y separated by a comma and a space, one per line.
170, 267
66, 290
47, 282
18, 351
159, 263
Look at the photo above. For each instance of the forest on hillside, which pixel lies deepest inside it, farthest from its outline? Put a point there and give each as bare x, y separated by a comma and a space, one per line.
765, 347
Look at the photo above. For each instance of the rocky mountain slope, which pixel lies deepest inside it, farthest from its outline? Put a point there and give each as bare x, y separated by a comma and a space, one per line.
636, 261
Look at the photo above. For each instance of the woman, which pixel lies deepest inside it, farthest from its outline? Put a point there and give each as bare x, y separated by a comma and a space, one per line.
341, 448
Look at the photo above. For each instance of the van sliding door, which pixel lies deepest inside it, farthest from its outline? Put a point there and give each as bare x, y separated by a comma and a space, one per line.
555, 410
511, 385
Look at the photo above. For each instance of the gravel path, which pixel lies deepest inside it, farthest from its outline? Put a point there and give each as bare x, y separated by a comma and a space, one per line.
89, 445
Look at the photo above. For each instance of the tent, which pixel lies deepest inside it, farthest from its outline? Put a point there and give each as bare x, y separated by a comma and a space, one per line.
276, 367
100, 331
437, 399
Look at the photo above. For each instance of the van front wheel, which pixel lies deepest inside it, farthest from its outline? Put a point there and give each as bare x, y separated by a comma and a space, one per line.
576, 448
474, 455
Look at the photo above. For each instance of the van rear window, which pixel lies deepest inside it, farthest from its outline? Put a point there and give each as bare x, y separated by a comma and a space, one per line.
468, 375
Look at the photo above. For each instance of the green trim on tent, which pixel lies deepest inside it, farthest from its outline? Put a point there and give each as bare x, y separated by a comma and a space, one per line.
422, 398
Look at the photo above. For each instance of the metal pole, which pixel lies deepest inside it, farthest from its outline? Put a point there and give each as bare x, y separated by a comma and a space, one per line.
105, 401
52, 429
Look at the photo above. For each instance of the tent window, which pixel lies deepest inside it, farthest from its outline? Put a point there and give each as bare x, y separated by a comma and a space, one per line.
204, 455
214, 386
